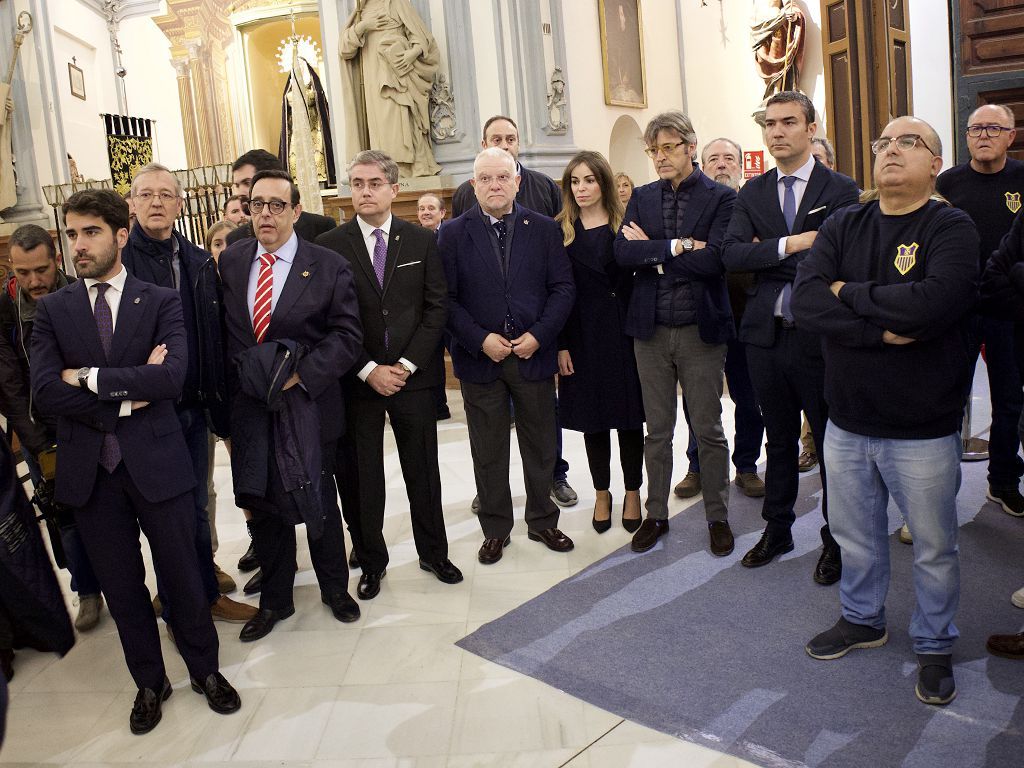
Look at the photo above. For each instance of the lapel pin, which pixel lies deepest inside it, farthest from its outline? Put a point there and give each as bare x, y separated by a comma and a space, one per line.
137, 300
526, 221
396, 238
306, 273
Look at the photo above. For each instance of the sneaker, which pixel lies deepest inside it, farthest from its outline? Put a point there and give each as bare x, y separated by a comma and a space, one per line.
842, 638
688, 486
750, 484
935, 683
1010, 500
807, 461
562, 494
905, 536
1018, 598
225, 583
231, 611
89, 607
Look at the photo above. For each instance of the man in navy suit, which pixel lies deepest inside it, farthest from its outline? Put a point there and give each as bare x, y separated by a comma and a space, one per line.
108, 360
680, 320
510, 291
279, 287
776, 219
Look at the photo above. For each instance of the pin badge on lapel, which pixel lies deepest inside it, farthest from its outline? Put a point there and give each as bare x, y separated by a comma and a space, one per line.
306, 273
526, 221
137, 300
396, 238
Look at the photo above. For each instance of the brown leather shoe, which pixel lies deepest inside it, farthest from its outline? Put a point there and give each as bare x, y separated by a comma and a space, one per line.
491, 550
1007, 646
807, 461
553, 539
722, 542
648, 533
226, 609
750, 484
689, 486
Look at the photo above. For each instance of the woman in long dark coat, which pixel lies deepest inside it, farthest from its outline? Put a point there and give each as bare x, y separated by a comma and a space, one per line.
598, 388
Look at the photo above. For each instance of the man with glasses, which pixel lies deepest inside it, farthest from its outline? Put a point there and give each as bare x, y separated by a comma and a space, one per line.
680, 320
510, 290
776, 220
156, 253
280, 288
988, 188
890, 286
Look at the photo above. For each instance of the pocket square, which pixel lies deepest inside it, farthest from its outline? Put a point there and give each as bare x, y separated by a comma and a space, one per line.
819, 208
408, 264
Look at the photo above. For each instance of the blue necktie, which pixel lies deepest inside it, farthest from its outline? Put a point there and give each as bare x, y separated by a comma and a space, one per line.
380, 258
789, 214
110, 450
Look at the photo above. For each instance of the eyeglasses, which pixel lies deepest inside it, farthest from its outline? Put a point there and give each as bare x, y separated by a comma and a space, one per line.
375, 185
904, 143
992, 131
501, 178
147, 197
665, 149
276, 206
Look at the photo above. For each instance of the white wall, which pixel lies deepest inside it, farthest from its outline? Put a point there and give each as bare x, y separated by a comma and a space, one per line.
931, 71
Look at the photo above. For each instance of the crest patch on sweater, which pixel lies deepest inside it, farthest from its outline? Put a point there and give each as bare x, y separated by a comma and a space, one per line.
906, 258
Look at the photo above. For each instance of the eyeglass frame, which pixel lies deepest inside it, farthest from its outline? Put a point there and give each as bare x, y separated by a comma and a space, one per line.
918, 139
665, 149
147, 197
256, 206
987, 129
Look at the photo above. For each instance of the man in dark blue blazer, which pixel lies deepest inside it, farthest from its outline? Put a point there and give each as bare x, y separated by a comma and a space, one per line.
277, 286
680, 319
776, 219
108, 360
510, 291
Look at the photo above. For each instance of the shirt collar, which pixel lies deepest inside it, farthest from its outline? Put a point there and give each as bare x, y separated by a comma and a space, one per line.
285, 253
367, 229
493, 220
116, 282
803, 172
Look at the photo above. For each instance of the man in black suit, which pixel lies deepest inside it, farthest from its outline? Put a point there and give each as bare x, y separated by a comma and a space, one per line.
403, 306
279, 287
108, 360
773, 226
308, 226
510, 291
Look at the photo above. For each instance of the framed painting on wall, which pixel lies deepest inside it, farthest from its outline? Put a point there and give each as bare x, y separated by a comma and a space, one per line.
622, 53
77, 77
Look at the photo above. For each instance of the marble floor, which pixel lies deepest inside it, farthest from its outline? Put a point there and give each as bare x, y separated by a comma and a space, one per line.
390, 691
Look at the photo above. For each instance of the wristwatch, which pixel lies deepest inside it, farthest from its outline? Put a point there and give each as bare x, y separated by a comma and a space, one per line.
83, 378
686, 244
405, 367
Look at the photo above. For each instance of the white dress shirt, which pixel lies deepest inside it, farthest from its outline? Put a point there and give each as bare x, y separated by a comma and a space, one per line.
370, 240
282, 266
113, 298
803, 175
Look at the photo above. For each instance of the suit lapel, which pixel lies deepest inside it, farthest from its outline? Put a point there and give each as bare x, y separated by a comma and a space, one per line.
300, 275
521, 240
394, 247
362, 256
699, 199
235, 273
815, 186
133, 305
776, 221
476, 225
84, 321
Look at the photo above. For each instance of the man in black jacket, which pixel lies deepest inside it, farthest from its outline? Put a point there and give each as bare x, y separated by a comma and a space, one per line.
775, 222
890, 286
156, 254
400, 283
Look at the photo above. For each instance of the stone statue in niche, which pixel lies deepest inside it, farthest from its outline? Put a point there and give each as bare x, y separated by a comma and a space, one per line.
557, 122
389, 59
777, 38
442, 110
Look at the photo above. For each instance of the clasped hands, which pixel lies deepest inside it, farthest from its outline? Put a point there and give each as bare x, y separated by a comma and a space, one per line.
387, 380
498, 347
888, 337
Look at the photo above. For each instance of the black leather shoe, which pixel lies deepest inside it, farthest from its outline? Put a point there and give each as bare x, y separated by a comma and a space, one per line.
445, 570
146, 709
222, 698
553, 539
353, 561
648, 533
830, 565
722, 542
369, 585
344, 608
491, 550
248, 561
261, 624
600, 504
254, 585
768, 547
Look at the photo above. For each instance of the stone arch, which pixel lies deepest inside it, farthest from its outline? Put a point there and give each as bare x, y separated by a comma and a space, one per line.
626, 150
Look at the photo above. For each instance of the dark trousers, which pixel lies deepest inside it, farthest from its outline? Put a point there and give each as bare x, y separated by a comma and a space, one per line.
412, 418
561, 471
193, 426
440, 393
789, 377
1005, 466
109, 524
631, 457
746, 445
488, 418
274, 538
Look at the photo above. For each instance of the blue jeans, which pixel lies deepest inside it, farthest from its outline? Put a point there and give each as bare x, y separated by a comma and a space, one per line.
923, 477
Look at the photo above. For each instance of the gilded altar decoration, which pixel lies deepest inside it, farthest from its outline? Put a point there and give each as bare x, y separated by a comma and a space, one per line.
129, 147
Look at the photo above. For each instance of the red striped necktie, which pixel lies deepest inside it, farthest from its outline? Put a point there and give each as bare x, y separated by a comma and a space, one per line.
264, 292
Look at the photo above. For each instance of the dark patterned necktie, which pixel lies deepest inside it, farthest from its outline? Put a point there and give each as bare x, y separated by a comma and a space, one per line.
380, 257
501, 228
789, 214
110, 450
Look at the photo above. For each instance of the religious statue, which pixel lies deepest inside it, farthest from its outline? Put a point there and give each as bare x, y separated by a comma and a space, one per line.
304, 88
8, 183
777, 38
389, 59
442, 110
556, 103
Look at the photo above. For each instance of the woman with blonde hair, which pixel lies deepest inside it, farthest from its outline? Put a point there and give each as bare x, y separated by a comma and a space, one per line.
216, 239
599, 389
623, 187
